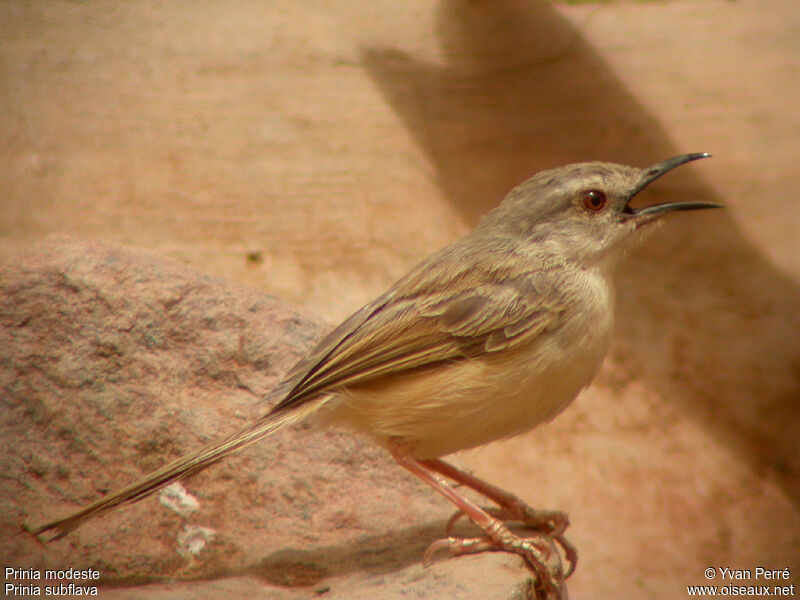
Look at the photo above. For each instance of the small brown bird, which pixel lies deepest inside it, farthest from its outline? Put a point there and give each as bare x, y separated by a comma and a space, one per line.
484, 339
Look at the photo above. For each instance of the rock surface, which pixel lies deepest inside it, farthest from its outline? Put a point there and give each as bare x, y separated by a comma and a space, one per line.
114, 362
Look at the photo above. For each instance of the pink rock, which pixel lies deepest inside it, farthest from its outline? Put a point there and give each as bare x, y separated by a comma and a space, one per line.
114, 362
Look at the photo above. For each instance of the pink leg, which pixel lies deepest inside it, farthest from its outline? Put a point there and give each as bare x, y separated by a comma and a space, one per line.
552, 523
539, 553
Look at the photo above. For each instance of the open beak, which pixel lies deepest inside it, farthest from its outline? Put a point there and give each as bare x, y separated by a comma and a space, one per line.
650, 174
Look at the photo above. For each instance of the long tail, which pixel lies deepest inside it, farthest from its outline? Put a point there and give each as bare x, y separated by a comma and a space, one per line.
178, 469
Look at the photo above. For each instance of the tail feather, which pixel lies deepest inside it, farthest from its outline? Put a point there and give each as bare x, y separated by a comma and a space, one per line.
178, 469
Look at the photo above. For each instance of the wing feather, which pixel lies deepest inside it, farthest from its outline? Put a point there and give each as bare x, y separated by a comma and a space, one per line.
421, 322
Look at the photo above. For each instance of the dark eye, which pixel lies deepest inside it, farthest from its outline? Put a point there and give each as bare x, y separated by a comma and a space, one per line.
595, 200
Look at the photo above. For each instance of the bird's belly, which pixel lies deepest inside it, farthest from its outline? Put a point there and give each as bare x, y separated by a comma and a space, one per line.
446, 408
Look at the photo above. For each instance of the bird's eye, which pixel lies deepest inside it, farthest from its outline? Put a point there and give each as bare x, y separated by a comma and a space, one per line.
595, 200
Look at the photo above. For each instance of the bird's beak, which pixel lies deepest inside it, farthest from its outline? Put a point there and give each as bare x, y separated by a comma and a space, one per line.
650, 174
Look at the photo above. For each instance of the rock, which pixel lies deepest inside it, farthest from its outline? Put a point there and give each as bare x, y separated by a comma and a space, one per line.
114, 362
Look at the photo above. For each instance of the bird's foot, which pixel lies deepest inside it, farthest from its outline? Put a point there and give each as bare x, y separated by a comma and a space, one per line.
539, 552
549, 523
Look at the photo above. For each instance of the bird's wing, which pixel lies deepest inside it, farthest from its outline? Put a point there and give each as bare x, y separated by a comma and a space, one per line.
465, 313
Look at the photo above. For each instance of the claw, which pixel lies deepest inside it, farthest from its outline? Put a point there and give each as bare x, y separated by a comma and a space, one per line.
570, 553
448, 529
553, 522
444, 544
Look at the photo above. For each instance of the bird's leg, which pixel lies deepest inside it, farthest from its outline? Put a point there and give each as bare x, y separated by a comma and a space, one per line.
550, 522
539, 552
546, 521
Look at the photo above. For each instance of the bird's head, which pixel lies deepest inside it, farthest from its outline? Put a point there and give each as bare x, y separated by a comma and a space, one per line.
583, 211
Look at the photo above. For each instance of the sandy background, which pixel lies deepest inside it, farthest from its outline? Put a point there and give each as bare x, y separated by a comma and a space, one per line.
317, 150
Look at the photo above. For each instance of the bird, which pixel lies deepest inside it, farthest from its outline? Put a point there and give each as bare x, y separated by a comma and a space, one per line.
485, 339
